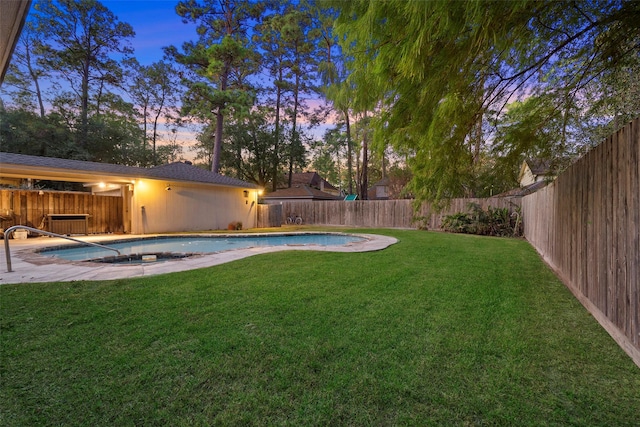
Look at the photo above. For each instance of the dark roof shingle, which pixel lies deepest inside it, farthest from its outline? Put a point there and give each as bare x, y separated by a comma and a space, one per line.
301, 192
311, 179
174, 171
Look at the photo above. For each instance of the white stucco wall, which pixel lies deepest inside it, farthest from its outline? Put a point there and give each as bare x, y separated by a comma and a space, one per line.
189, 207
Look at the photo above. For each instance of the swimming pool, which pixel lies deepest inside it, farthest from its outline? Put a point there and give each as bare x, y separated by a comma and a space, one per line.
171, 247
30, 265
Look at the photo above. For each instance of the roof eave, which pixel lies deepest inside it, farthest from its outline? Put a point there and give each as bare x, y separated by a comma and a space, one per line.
53, 174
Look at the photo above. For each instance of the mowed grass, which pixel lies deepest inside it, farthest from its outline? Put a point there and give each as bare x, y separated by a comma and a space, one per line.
438, 329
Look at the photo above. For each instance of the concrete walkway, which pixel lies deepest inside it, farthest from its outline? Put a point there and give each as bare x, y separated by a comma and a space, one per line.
29, 266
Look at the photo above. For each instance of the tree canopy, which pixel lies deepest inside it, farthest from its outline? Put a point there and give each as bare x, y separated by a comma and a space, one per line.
458, 92
221, 60
78, 40
450, 79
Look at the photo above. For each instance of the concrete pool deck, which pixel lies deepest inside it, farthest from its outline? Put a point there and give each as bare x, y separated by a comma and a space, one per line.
30, 267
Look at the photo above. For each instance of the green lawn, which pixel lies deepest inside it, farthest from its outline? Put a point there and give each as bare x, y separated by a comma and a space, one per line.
438, 329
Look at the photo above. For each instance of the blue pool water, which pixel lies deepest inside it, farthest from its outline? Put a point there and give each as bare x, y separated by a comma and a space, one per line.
196, 244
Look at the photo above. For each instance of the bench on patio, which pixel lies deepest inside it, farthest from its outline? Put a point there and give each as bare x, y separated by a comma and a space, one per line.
68, 223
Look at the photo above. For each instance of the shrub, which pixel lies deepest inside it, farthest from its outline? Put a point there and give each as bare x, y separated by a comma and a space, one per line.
421, 222
492, 222
458, 223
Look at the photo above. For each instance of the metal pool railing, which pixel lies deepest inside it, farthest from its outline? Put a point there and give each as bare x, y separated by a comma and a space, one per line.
10, 230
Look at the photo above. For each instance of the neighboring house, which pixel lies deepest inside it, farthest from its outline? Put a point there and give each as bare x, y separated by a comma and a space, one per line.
173, 197
534, 175
307, 186
533, 171
312, 180
380, 190
523, 191
391, 187
297, 193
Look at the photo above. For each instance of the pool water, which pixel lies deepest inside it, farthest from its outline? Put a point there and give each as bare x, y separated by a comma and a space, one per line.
196, 245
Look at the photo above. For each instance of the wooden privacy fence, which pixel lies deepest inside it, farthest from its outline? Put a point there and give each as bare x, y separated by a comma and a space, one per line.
31, 207
374, 213
586, 226
270, 216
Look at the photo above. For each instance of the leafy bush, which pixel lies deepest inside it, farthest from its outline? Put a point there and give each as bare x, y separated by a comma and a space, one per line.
458, 223
422, 222
490, 222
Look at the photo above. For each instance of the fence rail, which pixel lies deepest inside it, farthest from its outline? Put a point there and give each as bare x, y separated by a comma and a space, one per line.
586, 225
270, 216
31, 207
374, 213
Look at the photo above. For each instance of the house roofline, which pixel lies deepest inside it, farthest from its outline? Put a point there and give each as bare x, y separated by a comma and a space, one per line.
51, 168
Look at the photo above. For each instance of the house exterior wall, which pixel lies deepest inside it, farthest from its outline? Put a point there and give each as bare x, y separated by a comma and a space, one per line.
381, 192
189, 207
526, 176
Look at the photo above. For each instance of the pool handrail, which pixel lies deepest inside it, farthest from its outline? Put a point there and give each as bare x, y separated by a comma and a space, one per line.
10, 230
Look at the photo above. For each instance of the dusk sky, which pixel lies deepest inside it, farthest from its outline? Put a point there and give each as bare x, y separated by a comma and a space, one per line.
156, 25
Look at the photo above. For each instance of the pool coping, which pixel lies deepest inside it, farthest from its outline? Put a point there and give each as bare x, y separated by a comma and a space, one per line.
31, 267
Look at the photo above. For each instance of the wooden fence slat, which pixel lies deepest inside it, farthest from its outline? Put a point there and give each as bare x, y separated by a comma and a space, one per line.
30, 208
586, 225
381, 213
633, 228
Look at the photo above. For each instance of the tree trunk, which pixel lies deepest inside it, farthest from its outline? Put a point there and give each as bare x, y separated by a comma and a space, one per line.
84, 108
384, 164
365, 166
276, 147
294, 119
155, 129
349, 150
217, 145
144, 125
36, 83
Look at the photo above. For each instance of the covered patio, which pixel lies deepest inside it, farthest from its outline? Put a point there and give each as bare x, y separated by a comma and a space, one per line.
175, 197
